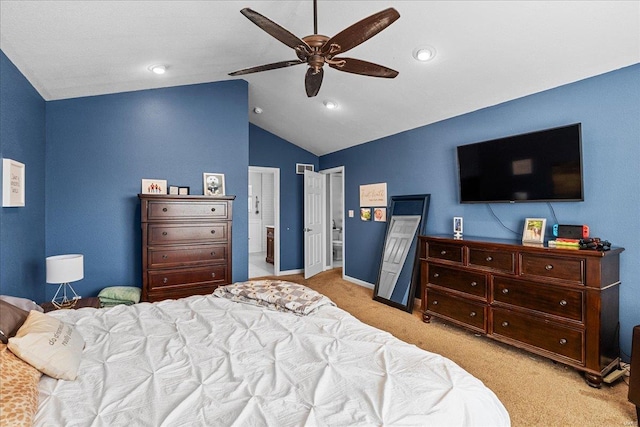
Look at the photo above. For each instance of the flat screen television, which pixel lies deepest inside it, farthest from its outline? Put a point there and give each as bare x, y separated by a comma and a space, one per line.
542, 166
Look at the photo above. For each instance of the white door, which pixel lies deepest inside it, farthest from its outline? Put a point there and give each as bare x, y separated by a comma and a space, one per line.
402, 229
313, 191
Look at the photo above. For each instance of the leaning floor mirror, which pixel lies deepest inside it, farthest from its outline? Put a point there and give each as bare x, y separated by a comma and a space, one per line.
400, 268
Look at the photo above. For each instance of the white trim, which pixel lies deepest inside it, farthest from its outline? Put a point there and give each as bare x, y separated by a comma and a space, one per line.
358, 281
340, 169
285, 273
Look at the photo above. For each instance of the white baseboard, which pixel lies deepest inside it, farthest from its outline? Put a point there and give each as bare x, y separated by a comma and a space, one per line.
287, 272
359, 282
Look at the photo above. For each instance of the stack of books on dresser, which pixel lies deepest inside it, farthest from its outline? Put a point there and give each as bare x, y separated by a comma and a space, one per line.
564, 243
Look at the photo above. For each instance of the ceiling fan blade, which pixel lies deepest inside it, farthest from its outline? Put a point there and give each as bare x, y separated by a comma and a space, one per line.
275, 30
266, 67
313, 81
357, 66
360, 32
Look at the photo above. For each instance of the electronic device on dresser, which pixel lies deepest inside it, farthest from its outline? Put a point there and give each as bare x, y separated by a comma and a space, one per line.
186, 245
571, 231
558, 303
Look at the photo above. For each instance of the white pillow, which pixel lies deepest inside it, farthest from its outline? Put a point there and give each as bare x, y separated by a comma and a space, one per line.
49, 345
23, 303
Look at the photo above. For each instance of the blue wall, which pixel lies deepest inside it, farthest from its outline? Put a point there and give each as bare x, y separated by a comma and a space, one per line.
423, 161
22, 230
268, 150
100, 148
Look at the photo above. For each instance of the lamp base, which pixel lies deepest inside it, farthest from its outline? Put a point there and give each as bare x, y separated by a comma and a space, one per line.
61, 299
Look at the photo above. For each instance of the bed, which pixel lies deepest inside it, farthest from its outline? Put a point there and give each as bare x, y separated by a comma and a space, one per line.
225, 361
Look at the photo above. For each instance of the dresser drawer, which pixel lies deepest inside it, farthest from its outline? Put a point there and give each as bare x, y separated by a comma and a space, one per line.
185, 277
456, 309
445, 252
169, 234
559, 302
538, 333
566, 268
460, 280
502, 261
180, 210
160, 257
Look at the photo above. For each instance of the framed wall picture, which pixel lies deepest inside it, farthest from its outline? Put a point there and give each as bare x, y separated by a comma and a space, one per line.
365, 214
534, 230
154, 186
213, 184
380, 214
13, 174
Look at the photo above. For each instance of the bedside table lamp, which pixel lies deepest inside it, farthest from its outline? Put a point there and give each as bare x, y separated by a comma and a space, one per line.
62, 269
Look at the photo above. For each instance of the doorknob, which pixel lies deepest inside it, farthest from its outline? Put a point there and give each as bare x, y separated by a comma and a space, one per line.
307, 229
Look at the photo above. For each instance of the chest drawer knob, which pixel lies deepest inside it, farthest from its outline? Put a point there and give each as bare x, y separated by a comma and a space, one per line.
213, 231
165, 256
505, 291
473, 314
548, 267
563, 303
436, 275
474, 284
505, 324
562, 341
213, 274
213, 209
435, 302
164, 233
443, 252
213, 253
165, 280
164, 209
489, 258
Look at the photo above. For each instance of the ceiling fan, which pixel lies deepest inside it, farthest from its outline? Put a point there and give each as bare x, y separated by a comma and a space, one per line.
317, 50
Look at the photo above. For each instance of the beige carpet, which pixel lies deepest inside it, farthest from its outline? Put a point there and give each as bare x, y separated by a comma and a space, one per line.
535, 390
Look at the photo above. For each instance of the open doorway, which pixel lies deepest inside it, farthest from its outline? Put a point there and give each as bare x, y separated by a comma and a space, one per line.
335, 227
264, 221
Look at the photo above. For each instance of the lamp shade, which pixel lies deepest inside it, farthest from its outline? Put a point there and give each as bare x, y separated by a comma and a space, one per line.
65, 268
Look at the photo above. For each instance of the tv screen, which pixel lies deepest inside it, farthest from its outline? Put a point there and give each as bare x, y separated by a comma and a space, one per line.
533, 167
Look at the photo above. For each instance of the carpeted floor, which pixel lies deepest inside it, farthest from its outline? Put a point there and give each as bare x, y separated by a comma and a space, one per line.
535, 390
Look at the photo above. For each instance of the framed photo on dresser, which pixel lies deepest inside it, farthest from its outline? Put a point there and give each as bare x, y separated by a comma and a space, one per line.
213, 184
534, 230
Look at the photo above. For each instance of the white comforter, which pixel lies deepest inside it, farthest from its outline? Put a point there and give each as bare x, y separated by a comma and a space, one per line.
206, 361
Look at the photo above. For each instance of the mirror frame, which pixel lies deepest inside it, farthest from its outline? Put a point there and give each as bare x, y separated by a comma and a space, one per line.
413, 255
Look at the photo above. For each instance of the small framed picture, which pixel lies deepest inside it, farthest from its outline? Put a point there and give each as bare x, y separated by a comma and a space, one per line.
183, 191
13, 187
457, 225
154, 186
365, 214
213, 184
380, 214
173, 189
534, 230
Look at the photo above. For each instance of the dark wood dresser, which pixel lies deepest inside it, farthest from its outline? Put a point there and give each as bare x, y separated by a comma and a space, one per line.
186, 245
558, 303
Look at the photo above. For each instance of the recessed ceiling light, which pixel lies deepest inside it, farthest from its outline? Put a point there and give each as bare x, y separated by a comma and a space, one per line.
331, 105
158, 69
257, 110
424, 53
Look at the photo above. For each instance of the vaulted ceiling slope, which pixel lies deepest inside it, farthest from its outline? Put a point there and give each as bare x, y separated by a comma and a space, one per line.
486, 53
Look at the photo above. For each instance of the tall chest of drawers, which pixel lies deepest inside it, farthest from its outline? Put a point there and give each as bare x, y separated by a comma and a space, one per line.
186, 245
558, 303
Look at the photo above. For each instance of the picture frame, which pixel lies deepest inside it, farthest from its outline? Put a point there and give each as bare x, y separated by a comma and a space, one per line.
534, 229
13, 185
183, 191
173, 189
154, 186
365, 214
458, 224
213, 184
380, 214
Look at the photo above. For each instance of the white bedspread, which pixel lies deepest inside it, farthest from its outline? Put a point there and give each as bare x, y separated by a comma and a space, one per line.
206, 361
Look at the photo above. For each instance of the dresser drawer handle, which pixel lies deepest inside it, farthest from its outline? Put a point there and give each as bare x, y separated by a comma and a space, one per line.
443, 252
165, 280
562, 341
164, 233
472, 314
435, 302
165, 256
505, 324
213, 231
489, 258
548, 267
213, 274
436, 275
164, 209
213, 253
474, 284
213, 209
563, 303
505, 291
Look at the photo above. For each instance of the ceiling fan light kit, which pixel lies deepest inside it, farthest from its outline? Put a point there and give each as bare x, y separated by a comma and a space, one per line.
316, 50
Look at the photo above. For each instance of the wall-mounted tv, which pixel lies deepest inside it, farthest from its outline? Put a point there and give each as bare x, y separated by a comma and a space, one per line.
542, 166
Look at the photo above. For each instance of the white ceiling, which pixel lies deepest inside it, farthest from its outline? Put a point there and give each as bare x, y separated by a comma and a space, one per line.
487, 53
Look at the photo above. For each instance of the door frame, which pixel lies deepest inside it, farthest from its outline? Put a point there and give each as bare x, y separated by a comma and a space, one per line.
328, 173
276, 212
